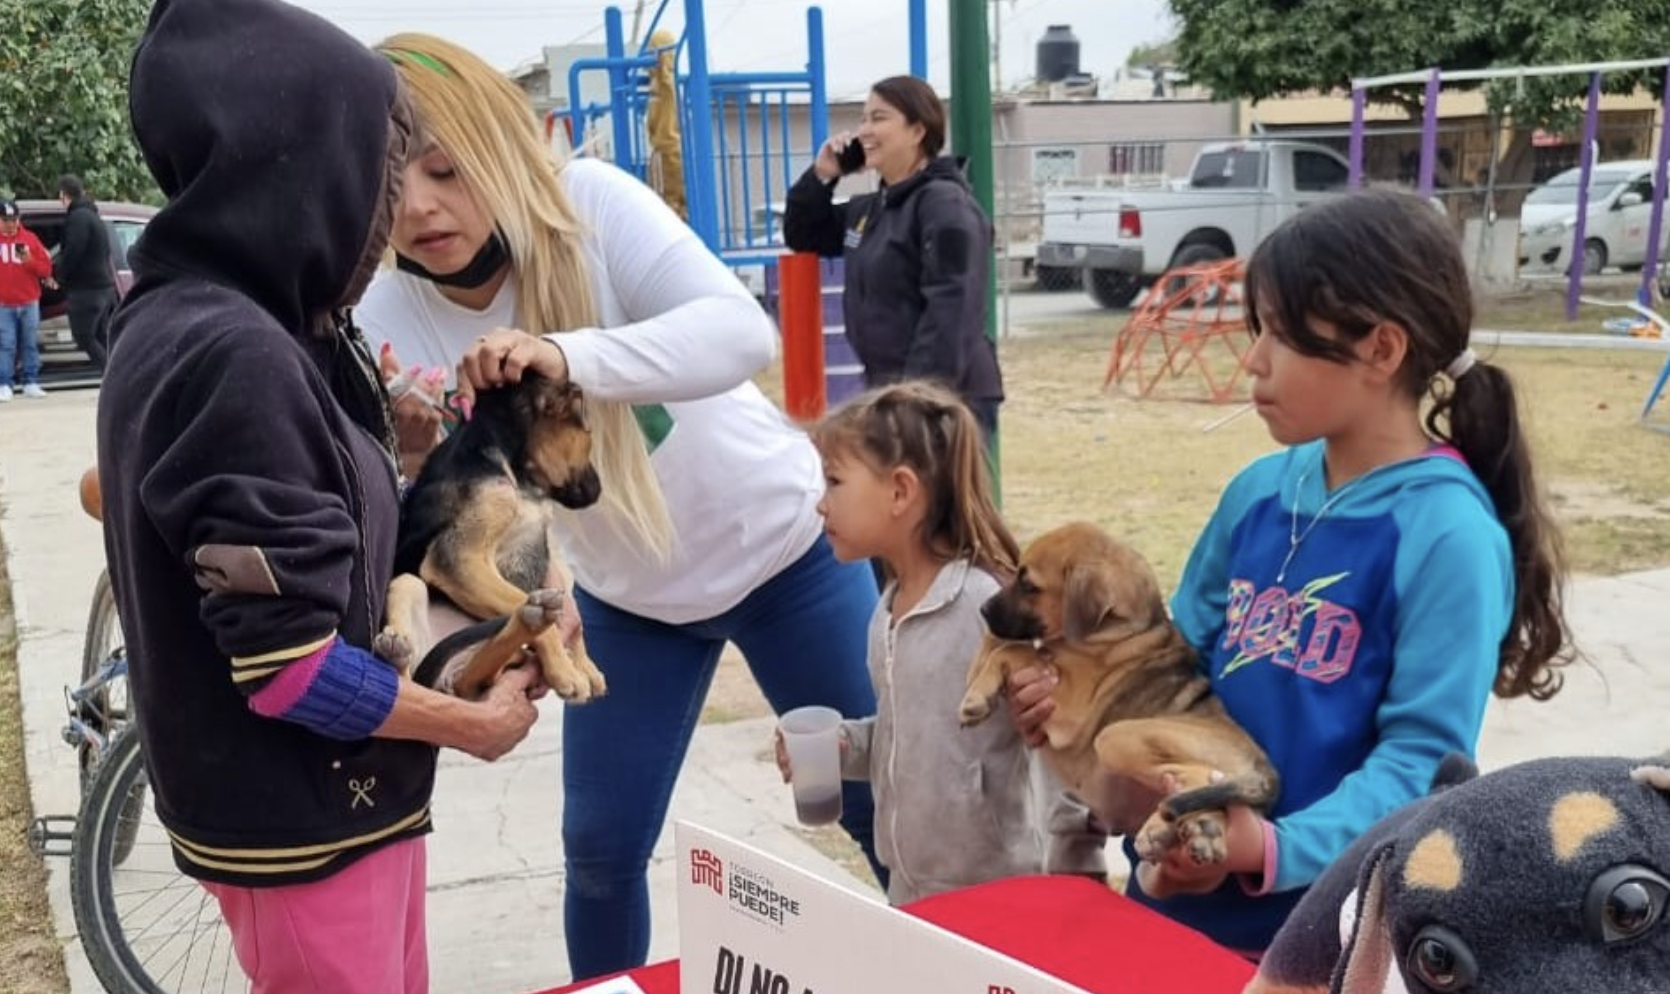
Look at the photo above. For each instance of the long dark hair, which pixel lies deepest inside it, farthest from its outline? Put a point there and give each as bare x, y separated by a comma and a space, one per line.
925, 427
919, 104
1380, 256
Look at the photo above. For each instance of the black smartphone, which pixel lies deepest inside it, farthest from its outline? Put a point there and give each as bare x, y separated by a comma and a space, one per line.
851, 159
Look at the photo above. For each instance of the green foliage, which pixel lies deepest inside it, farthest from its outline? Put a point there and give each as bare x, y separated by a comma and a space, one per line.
1264, 48
64, 97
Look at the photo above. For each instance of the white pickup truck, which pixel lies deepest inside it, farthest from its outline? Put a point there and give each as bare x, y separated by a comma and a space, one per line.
1236, 194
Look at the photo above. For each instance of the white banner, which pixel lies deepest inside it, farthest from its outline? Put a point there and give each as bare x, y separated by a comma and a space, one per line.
750, 923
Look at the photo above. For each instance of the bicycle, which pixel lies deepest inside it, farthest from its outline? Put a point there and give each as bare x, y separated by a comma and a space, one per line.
145, 927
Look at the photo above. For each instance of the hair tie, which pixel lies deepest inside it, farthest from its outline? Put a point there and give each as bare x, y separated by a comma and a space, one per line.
1459, 366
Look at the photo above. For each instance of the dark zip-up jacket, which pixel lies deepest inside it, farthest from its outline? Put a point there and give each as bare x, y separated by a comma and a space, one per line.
83, 261
918, 259
244, 448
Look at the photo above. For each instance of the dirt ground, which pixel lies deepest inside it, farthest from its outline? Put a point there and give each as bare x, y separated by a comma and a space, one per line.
1143, 468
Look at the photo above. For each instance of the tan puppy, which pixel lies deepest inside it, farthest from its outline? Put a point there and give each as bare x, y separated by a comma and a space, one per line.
1134, 715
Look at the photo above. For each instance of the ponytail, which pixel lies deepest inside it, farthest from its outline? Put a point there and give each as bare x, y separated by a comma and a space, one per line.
1479, 415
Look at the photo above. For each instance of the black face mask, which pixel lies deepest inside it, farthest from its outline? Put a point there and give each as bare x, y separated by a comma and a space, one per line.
489, 259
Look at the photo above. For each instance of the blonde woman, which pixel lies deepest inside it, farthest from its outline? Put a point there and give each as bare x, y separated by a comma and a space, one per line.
707, 530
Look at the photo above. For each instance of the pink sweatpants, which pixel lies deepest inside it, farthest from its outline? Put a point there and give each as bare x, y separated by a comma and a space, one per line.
360, 931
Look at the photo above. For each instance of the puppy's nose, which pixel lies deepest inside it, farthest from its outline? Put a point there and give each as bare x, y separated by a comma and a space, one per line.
581, 490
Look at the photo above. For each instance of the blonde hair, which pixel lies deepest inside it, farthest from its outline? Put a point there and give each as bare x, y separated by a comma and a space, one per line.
487, 128
923, 426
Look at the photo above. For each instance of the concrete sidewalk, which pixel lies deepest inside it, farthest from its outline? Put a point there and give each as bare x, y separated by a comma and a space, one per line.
496, 871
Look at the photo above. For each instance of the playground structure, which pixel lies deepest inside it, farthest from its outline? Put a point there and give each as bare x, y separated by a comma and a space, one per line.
1434, 78
1192, 318
739, 154
729, 193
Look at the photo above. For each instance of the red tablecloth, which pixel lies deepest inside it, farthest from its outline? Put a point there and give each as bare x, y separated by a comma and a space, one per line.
1070, 927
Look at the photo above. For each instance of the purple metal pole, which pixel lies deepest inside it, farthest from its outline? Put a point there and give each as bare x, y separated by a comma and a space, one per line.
1359, 102
1580, 231
1644, 296
1429, 133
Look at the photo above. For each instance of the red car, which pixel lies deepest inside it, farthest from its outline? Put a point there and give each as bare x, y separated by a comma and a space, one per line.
62, 363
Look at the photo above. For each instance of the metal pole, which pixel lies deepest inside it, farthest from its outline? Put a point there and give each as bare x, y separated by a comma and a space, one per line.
703, 205
620, 99
1359, 103
1649, 271
1429, 133
815, 70
1579, 233
971, 137
800, 315
919, 38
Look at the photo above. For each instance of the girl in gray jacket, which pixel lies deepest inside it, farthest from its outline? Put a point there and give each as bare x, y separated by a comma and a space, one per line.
906, 482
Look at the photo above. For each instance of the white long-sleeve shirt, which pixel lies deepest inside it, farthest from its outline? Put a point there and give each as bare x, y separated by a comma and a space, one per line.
677, 329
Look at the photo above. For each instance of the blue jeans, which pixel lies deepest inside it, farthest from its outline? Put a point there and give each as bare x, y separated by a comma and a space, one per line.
804, 635
17, 327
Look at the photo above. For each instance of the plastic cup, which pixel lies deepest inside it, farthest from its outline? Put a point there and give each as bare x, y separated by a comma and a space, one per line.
812, 736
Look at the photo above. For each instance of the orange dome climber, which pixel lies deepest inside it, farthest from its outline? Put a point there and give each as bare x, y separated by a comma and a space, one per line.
1191, 318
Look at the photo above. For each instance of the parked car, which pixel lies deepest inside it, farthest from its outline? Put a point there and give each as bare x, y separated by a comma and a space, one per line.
1615, 229
61, 362
1237, 193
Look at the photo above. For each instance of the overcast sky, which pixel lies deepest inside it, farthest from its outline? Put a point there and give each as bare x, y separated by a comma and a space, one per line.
864, 40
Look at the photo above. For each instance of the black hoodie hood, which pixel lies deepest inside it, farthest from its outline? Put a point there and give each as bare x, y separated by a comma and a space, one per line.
278, 171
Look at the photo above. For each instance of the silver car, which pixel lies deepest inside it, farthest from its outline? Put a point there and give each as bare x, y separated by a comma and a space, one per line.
1620, 211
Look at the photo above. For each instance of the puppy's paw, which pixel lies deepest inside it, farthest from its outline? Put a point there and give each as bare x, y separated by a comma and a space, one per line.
1204, 836
566, 678
974, 709
1155, 838
543, 609
393, 645
588, 669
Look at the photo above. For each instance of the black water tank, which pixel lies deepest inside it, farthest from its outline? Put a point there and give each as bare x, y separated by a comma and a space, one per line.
1058, 54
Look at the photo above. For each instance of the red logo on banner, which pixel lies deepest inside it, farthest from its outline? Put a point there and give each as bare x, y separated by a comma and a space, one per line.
708, 869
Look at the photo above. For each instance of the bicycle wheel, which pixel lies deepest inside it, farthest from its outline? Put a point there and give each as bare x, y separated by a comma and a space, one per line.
108, 708
145, 927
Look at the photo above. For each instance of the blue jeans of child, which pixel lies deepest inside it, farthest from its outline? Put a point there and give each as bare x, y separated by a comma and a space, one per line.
803, 633
18, 326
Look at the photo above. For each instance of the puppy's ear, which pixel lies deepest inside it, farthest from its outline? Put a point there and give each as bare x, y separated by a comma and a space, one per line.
1365, 963
1086, 599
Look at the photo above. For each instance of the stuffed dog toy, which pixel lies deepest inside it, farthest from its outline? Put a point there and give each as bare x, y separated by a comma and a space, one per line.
1548, 877
1135, 718
474, 528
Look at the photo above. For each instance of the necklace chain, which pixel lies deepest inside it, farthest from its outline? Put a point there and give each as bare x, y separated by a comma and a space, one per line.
1295, 537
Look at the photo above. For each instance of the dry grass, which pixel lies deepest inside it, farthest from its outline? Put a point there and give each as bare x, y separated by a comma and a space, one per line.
1144, 468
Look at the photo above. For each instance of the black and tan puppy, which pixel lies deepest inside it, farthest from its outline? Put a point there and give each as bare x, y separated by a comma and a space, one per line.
1134, 715
475, 528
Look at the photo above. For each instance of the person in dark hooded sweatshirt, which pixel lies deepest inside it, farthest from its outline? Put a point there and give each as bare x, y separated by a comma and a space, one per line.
918, 251
251, 503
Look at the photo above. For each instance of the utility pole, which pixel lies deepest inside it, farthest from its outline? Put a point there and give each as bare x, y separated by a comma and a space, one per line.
637, 25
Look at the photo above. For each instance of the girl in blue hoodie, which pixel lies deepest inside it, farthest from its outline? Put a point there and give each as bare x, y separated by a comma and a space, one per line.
1357, 596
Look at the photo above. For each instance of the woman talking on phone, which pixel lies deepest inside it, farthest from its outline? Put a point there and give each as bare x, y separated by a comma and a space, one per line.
918, 250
